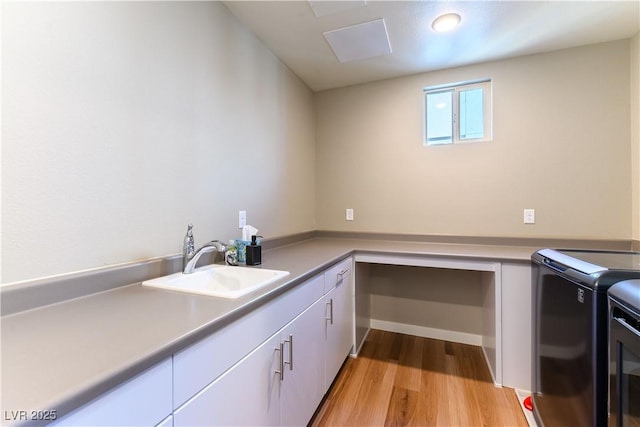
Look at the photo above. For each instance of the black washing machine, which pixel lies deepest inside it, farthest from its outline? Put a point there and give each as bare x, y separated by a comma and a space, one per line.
570, 333
624, 354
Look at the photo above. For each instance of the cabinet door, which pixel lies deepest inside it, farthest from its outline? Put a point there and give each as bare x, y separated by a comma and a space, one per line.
338, 328
248, 394
302, 386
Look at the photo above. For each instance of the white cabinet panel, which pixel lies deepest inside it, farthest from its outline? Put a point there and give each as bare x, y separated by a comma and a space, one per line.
338, 328
143, 400
246, 395
516, 325
302, 387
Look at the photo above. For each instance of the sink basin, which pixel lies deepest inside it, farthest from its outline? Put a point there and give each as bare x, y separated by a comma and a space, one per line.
218, 280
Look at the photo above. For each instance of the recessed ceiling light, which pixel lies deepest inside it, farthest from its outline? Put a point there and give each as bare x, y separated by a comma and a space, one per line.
446, 22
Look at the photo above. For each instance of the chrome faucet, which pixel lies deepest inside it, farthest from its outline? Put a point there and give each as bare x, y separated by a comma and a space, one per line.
190, 255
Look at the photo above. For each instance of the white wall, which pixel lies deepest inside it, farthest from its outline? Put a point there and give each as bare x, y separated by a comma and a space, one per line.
124, 121
561, 146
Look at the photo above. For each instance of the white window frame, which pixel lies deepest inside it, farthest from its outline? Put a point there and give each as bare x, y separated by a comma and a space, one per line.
456, 88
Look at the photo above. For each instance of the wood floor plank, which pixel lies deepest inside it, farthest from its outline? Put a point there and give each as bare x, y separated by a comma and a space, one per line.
377, 384
378, 388
478, 402
454, 409
344, 401
430, 398
403, 380
402, 408
396, 347
409, 369
338, 394
433, 355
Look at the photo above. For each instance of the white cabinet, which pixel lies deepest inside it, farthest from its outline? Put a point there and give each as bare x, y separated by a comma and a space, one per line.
339, 318
247, 394
143, 400
198, 365
302, 385
279, 383
269, 368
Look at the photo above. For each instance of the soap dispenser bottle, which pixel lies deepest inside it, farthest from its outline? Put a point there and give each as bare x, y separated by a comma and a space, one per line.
254, 252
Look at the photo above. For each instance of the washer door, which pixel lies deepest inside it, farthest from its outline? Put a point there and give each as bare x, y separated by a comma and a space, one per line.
563, 365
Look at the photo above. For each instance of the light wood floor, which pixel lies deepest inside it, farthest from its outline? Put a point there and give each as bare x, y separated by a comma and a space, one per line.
403, 380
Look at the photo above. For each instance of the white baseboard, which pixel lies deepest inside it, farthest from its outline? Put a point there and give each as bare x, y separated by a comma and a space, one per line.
425, 332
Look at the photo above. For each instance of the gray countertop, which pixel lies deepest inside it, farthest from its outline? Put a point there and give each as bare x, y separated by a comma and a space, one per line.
62, 355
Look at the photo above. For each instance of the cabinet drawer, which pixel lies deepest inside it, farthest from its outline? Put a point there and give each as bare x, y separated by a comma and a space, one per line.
143, 400
337, 274
198, 365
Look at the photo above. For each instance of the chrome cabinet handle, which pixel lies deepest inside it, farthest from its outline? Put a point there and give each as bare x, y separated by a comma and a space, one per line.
281, 364
330, 318
290, 362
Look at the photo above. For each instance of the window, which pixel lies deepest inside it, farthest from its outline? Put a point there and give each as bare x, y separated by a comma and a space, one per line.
458, 113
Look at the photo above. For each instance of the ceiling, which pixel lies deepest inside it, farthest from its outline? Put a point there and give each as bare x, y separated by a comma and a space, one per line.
489, 30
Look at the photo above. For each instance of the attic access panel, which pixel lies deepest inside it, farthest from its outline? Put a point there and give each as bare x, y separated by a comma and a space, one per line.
361, 41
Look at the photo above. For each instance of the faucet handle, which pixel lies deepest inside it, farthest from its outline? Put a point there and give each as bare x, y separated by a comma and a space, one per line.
189, 244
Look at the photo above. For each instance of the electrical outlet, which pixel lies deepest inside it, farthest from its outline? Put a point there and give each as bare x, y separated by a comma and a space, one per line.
529, 216
242, 219
349, 215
